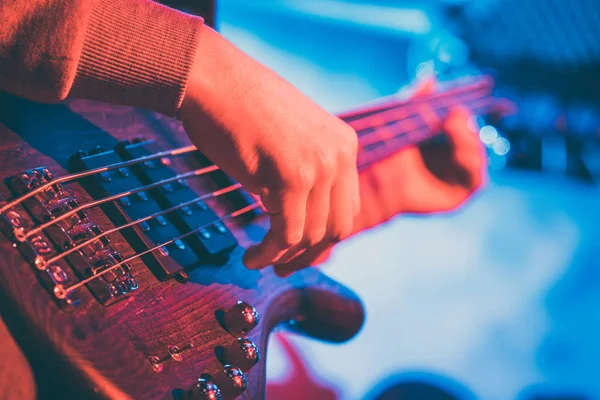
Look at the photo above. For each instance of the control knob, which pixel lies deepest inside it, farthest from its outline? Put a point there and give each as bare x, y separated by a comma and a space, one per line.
241, 319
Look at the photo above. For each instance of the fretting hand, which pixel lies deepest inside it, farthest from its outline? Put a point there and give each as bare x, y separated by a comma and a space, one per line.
431, 178
278, 144
425, 179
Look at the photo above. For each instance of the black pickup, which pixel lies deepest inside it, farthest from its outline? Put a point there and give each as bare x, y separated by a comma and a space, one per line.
164, 262
212, 241
162, 201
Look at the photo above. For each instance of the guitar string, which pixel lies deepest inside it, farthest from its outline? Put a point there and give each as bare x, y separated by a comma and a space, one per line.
442, 88
95, 203
24, 236
138, 221
62, 293
398, 143
96, 171
360, 124
477, 106
379, 134
404, 103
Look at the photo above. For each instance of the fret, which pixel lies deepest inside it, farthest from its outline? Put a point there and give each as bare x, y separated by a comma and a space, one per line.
453, 88
405, 110
386, 130
380, 150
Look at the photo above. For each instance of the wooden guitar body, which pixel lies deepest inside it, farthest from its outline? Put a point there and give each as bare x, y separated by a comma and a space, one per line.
121, 245
157, 340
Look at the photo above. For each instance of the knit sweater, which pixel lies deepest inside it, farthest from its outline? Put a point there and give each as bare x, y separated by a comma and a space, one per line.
129, 52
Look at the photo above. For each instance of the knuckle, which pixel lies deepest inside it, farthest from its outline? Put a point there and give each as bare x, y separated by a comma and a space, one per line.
347, 156
296, 178
303, 178
350, 142
327, 163
346, 144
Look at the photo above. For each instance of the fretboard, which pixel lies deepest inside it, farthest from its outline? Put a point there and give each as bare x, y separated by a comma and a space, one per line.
389, 127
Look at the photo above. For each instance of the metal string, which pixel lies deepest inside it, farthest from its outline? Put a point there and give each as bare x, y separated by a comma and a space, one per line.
138, 221
198, 172
95, 171
476, 84
61, 292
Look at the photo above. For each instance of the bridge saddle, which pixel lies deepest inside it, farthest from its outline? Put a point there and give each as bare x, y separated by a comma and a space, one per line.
44, 248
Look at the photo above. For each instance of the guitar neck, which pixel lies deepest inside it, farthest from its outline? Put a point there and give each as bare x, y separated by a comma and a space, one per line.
389, 127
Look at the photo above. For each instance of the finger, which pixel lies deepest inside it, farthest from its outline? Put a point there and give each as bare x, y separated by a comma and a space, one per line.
288, 213
340, 224
355, 192
469, 154
468, 157
345, 205
311, 257
315, 226
373, 197
431, 192
321, 258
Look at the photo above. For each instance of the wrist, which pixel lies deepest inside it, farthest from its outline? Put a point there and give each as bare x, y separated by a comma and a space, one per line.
206, 74
221, 76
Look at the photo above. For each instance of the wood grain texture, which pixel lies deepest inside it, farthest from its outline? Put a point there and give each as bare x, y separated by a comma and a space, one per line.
101, 352
14, 368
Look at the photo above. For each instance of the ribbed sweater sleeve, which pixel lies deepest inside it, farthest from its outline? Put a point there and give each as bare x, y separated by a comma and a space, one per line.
130, 52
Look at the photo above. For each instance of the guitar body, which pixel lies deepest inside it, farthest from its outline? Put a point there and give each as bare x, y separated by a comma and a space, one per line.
91, 350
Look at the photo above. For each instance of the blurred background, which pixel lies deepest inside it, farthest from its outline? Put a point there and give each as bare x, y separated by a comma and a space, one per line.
500, 300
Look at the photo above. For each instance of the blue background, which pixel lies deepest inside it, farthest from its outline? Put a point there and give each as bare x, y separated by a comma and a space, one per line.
499, 300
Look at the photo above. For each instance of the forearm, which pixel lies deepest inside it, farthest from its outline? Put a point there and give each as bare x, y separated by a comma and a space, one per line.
131, 52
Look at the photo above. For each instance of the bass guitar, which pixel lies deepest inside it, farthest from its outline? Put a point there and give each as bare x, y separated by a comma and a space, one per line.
121, 273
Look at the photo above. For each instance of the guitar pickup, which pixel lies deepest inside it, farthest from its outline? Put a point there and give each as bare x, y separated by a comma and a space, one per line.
166, 261
215, 239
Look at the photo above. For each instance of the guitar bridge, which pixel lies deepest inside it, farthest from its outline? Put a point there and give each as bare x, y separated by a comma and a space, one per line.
164, 220
64, 251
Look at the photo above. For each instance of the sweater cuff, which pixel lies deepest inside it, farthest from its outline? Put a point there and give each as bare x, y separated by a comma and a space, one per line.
137, 53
